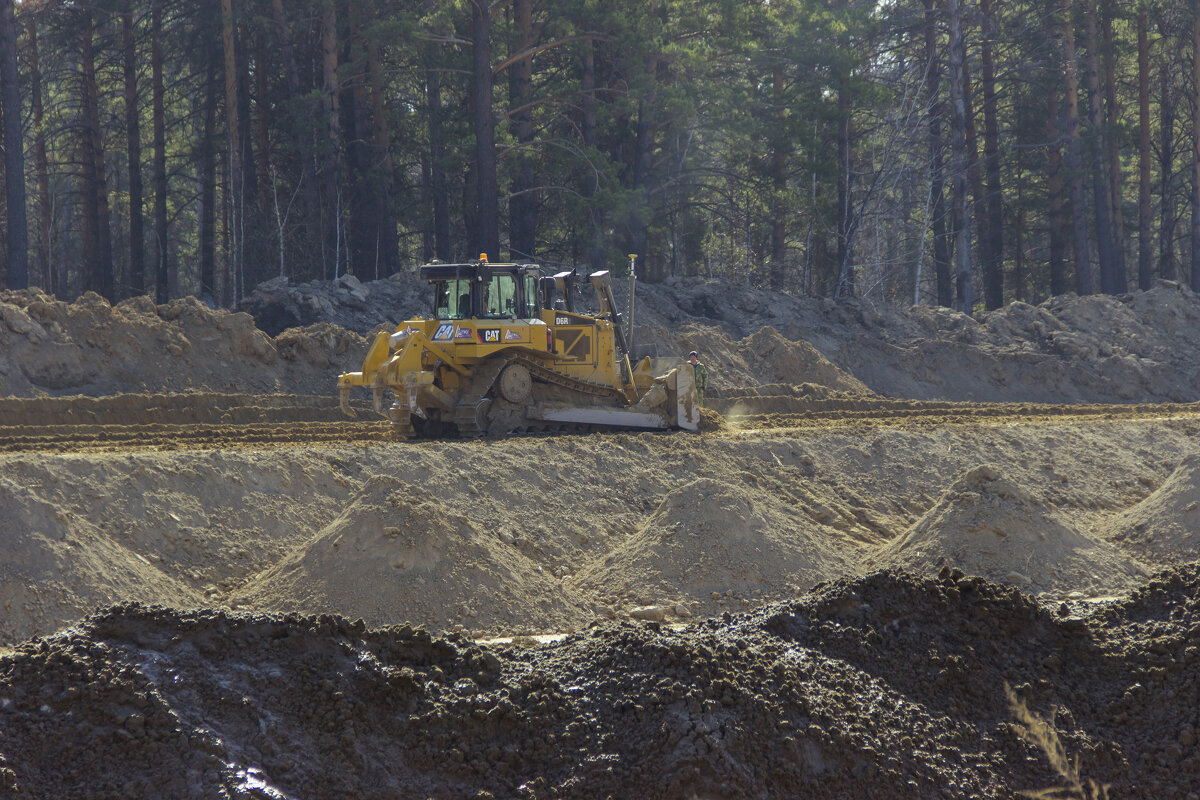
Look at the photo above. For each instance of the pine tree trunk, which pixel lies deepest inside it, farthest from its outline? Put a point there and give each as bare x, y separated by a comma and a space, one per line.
1101, 197
310, 197
1019, 290
587, 102
845, 274
252, 258
363, 237
1195, 270
1054, 192
41, 160
1145, 242
1074, 160
17, 276
231, 291
162, 266
133, 135
976, 202
385, 182
331, 168
779, 188
206, 172
1113, 153
642, 165
487, 236
959, 163
1166, 169
266, 245
993, 252
97, 241
437, 166
262, 129
941, 254
522, 205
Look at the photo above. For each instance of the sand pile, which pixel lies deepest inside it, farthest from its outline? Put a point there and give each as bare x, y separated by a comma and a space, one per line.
987, 525
83, 531
57, 566
398, 553
712, 544
92, 347
1165, 527
764, 357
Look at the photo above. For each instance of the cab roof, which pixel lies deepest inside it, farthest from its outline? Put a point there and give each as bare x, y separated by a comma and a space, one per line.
444, 272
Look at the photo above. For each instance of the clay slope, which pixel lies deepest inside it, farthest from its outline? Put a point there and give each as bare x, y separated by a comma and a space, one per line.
398, 553
58, 567
710, 540
987, 525
1164, 528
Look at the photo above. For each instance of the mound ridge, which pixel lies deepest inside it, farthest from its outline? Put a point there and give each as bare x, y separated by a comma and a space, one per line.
985, 524
397, 553
1164, 528
57, 567
708, 538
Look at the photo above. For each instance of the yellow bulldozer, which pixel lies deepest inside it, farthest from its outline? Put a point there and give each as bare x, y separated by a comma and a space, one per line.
506, 350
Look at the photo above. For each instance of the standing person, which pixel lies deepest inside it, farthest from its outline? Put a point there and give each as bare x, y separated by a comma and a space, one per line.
701, 375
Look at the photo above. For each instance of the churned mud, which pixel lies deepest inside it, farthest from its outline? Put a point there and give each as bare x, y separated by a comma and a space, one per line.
888, 686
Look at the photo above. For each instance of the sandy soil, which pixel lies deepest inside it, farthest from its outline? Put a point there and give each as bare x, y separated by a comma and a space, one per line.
824, 594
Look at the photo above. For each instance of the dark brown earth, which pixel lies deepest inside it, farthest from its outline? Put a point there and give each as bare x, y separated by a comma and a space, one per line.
885, 686
215, 586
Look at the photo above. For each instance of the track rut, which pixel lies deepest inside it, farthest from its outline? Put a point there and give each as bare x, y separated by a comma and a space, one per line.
209, 420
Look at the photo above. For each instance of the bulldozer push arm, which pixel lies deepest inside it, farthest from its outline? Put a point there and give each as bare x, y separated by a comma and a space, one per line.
602, 283
391, 359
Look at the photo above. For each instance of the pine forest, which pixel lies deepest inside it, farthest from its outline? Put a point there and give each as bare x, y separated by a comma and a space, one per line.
964, 153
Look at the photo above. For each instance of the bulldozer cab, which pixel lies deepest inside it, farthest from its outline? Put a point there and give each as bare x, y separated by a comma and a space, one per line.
484, 291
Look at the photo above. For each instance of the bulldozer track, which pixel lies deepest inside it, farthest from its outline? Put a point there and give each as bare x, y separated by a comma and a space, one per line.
466, 418
194, 421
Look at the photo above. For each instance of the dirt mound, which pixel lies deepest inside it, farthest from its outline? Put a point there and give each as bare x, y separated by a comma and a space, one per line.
987, 525
61, 566
764, 357
347, 302
710, 543
91, 347
1140, 347
1165, 527
824, 697
1136, 348
398, 553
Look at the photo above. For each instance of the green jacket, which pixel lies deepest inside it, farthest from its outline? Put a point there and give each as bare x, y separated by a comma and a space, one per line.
701, 375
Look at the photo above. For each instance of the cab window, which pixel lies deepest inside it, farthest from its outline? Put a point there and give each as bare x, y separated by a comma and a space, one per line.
531, 297
500, 297
452, 299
